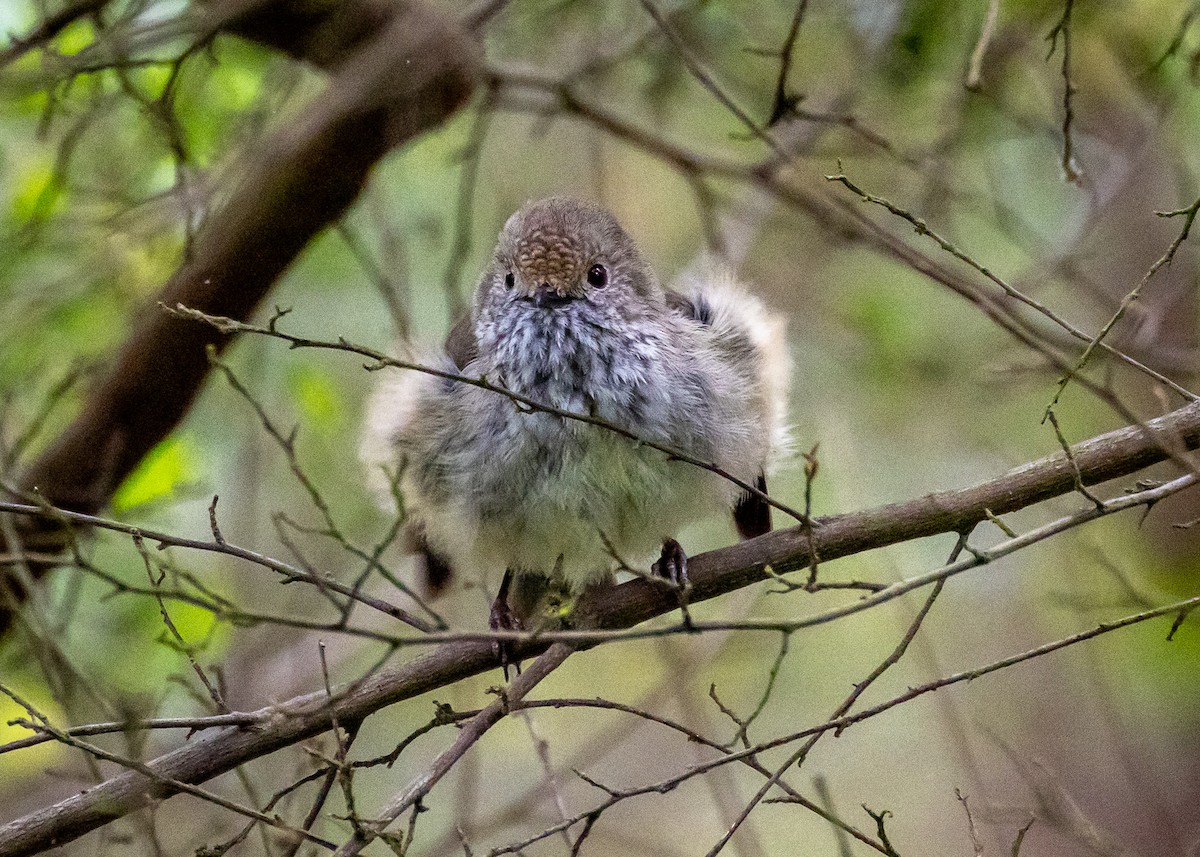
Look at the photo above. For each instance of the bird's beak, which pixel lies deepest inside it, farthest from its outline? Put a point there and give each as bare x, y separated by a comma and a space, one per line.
548, 297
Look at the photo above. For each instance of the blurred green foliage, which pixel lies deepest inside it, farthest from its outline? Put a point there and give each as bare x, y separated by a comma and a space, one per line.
907, 388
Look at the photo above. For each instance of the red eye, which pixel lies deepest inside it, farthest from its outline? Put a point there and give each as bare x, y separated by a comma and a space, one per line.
597, 276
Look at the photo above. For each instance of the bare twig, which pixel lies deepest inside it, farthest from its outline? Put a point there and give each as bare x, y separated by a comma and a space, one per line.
975, 843
705, 78
791, 794
467, 738
1189, 216
417, 69
192, 724
64, 517
1070, 166
922, 228
472, 157
1066, 448
975, 68
842, 722
50, 27
183, 646
39, 723
380, 360
785, 102
796, 759
287, 443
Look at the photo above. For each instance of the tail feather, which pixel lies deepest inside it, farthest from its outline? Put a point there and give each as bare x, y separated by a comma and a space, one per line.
752, 514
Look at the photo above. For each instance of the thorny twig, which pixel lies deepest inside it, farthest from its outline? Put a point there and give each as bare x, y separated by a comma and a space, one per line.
381, 360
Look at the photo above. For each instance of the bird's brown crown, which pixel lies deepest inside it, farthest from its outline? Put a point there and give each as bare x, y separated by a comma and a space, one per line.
552, 248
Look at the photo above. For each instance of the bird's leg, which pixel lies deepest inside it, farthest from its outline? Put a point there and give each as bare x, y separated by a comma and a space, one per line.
502, 618
672, 565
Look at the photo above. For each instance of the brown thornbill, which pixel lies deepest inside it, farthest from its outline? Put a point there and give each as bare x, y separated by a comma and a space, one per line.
569, 314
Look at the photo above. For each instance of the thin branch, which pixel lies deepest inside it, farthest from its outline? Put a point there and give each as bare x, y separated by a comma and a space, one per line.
287, 443
50, 27
1177, 39
792, 796
469, 735
1063, 28
850, 719
796, 759
192, 724
416, 68
784, 102
289, 572
974, 81
275, 799
41, 724
922, 228
600, 628
837, 217
182, 644
975, 843
1189, 216
381, 360
706, 80
1066, 448
468, 179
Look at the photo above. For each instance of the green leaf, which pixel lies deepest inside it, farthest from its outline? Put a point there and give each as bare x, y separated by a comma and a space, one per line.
316, 396
35, 759
35, 192
164, 469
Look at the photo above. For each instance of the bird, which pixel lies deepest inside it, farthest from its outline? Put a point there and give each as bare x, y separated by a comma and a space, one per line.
569, 315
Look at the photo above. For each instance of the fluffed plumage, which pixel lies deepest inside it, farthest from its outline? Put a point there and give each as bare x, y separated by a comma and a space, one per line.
569, 314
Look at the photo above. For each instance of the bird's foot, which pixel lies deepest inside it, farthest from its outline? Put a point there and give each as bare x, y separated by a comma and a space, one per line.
672, 565
502, 618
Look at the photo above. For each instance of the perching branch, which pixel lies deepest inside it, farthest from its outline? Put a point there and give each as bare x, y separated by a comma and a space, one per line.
1107, 456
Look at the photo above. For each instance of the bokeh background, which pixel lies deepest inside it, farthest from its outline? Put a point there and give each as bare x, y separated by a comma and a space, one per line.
903, 386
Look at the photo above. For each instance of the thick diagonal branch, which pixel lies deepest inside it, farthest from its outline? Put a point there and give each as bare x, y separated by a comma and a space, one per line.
1108, 456
415, 72
399, 69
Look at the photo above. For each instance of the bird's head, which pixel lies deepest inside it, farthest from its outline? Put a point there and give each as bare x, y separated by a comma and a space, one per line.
564, 255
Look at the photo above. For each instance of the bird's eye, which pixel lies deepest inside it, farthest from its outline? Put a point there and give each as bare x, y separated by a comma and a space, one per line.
597, 276
509, 280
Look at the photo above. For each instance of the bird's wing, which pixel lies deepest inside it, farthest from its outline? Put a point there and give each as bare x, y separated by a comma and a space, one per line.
693, 307
737, 319
461, 345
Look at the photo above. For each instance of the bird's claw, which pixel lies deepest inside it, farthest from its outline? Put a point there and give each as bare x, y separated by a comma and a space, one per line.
502, 618
672, 563
673, 566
